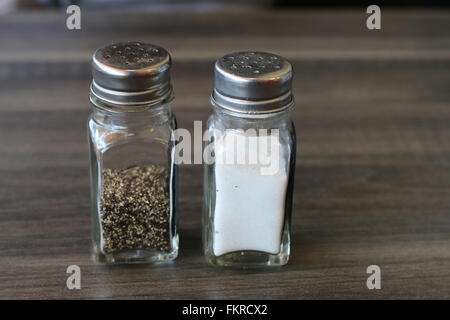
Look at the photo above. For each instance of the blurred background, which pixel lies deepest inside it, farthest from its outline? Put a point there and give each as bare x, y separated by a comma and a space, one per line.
201, 5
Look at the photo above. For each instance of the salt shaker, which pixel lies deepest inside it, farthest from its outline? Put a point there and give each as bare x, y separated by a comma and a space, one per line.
249, 170
133, 173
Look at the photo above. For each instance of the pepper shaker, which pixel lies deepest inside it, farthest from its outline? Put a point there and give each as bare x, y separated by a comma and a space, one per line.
133, 174
249, 178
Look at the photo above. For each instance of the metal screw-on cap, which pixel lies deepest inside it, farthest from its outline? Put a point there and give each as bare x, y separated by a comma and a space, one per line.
253, 82
131, 74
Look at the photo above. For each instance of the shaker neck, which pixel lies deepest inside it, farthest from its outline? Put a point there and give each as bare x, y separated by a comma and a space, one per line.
144, 117
246, 121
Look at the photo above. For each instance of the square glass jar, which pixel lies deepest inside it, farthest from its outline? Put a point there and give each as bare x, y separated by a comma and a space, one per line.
134, 185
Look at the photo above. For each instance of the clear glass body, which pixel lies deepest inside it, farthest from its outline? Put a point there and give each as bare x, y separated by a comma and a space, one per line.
247, 214
133, 184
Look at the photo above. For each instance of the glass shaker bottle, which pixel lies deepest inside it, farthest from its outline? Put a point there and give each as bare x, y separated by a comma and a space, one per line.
133, 175
250, 162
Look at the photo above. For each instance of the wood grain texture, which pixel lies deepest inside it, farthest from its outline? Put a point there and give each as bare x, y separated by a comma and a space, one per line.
373, 164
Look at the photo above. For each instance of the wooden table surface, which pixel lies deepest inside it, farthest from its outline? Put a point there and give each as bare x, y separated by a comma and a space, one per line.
372, 180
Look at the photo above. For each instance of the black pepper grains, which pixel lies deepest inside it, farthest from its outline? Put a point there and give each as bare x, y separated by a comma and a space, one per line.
135, 209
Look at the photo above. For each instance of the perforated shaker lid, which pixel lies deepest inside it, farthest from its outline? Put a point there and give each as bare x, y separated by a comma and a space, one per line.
253, 82
131, 73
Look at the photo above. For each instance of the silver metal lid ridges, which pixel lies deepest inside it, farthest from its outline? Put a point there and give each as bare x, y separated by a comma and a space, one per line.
131, 74
253, 82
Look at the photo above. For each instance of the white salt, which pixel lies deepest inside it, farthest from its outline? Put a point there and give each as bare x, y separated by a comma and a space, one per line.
249, 208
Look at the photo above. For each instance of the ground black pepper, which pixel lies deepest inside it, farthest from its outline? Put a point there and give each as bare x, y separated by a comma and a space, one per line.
135, 209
